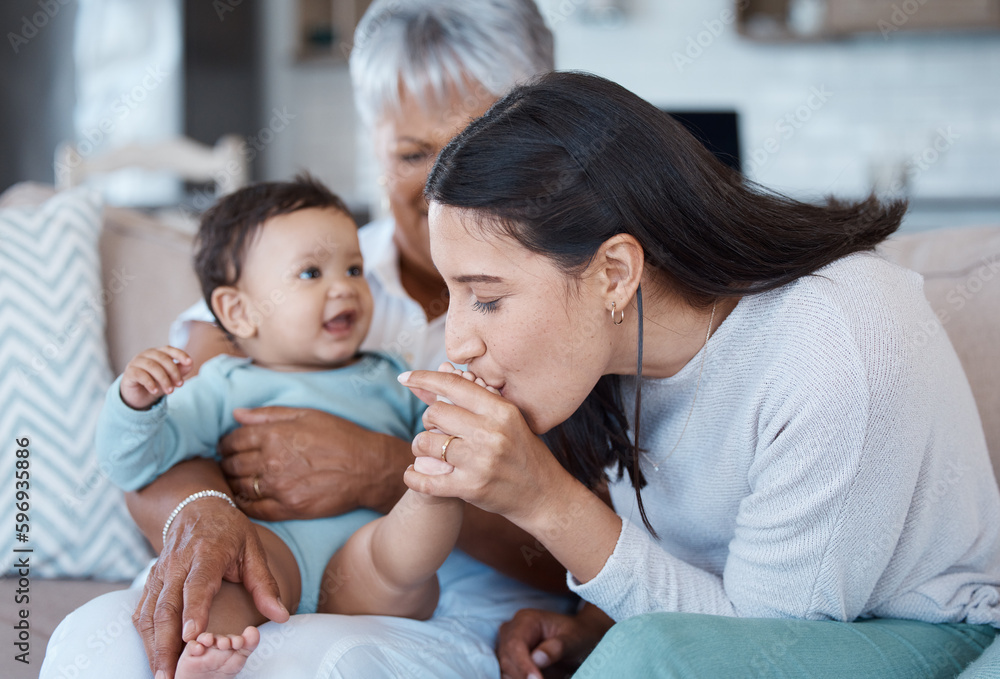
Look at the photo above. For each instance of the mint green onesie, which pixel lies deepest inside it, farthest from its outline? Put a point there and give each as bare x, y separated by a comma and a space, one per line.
135, 447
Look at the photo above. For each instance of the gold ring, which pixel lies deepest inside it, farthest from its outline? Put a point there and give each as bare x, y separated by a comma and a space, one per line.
256, 485
444, 448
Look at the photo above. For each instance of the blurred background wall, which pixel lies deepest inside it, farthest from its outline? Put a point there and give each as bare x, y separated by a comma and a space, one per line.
916, 112
886, 101
37, 89
911, 112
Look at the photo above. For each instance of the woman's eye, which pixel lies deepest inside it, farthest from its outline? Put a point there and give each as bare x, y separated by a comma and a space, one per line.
486, 307
311, 272
354, 271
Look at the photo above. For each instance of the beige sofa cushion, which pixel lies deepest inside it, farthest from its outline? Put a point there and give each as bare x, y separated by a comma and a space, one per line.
146, 269
961, 270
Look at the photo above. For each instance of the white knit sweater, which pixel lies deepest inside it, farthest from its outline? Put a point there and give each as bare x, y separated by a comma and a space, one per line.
834, 466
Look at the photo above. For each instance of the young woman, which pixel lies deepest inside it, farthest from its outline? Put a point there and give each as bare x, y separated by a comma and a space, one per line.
739, 367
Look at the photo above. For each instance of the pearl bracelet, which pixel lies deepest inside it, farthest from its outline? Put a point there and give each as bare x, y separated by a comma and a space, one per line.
191, 498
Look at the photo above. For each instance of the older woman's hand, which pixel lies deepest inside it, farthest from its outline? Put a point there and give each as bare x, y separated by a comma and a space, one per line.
501, 466
208, 542
535, 639
284, 463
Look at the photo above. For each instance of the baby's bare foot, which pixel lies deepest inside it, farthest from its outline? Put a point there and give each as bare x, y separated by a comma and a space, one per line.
217, 655
447, 367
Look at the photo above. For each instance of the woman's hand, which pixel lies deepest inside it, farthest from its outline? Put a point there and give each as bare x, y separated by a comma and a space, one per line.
427, 464
208, 542
535, 639
310, 464
151, 374
501, 466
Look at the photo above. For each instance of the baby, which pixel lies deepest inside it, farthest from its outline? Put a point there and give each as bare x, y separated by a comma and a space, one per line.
281, 269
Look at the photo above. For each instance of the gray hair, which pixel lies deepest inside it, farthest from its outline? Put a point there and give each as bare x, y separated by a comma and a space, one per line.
430, 45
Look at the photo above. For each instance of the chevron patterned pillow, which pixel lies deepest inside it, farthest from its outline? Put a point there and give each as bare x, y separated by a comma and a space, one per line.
61, 515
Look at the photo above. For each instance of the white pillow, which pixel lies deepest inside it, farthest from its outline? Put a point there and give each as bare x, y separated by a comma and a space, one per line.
53, 375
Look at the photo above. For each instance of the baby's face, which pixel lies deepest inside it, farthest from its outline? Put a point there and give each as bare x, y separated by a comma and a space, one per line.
304, 278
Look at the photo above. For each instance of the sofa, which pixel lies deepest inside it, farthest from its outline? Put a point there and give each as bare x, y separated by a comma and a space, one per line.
153, 256
961, 269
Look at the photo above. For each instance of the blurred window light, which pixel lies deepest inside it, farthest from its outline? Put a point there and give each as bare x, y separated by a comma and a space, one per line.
129, 79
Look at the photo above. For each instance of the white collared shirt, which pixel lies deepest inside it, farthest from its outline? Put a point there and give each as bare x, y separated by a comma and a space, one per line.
399, 325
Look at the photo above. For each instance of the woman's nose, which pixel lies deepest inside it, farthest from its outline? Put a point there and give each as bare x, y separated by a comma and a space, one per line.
462, 343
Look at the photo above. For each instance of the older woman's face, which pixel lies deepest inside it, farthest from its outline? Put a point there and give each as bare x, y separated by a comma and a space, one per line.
529, 330
406, 145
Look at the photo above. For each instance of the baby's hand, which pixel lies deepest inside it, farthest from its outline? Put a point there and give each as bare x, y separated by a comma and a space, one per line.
152, 374
447, 367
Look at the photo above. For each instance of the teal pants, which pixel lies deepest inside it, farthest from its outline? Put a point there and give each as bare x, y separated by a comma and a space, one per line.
690, 646
988, 665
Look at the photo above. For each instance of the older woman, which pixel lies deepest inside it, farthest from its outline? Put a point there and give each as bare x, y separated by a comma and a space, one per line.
783, 458
422, 70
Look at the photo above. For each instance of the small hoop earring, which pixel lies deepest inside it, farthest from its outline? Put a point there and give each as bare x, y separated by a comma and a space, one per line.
620, 319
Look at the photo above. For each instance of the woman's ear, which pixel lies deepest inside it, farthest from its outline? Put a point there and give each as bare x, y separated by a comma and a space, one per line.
620, 261
233, 310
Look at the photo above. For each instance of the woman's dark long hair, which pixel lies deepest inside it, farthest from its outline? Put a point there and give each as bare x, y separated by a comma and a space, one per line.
569, 160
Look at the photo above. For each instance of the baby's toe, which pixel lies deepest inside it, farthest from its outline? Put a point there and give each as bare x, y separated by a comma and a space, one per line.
488, 388
235, 641
195, 649
251, 637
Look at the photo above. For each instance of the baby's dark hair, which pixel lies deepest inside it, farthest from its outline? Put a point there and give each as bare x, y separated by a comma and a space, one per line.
230, 226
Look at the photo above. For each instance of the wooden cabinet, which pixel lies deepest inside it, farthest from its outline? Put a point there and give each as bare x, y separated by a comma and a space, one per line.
818, 19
